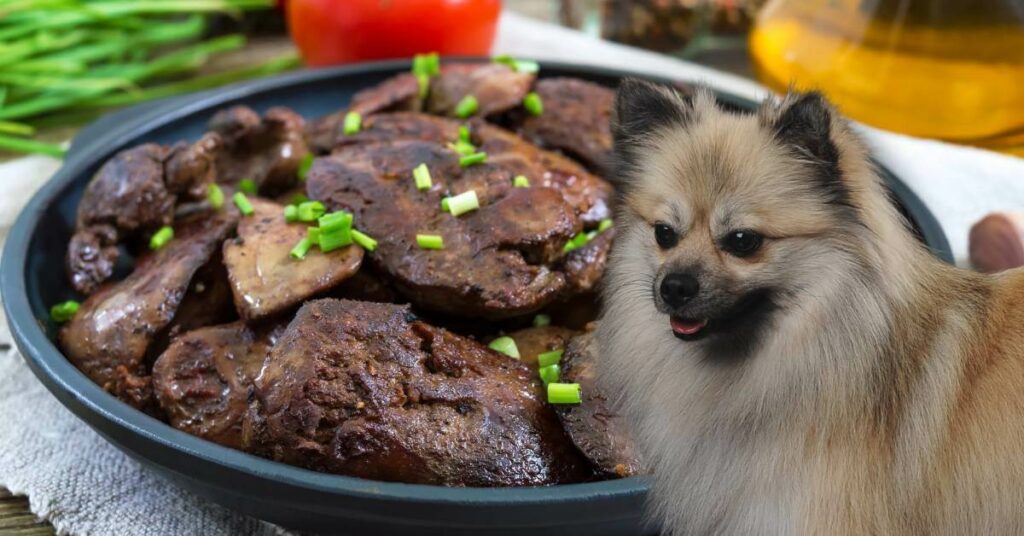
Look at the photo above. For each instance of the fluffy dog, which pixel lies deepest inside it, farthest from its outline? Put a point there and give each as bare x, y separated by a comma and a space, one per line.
794, 361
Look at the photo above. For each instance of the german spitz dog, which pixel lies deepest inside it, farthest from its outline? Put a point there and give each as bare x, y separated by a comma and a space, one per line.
792, 359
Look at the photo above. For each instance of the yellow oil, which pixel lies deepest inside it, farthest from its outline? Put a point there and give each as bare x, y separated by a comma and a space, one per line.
948, 69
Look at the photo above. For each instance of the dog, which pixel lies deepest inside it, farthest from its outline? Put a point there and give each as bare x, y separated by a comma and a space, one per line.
791, 358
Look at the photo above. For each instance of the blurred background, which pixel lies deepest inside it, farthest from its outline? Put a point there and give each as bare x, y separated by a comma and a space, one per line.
945, 69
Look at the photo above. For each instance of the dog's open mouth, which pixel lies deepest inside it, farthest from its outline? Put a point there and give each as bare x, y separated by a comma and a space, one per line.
688, 329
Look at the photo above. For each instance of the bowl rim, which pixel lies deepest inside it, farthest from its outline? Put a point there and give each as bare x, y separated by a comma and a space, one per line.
88, 401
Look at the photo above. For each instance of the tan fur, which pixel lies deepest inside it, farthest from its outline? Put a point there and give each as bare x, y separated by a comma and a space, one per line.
888, 396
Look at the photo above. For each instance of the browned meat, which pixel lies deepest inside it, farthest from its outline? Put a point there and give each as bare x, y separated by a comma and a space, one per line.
109, 336
265, 279
537, 340
597, 430
576, 119
496, 261
191, 167
268, 151
92, 256
398, 93
366, 390
584, 266
496, 87
996, 243
204, 380
366, 285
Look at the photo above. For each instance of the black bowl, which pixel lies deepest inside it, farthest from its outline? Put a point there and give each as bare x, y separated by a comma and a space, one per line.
32, 278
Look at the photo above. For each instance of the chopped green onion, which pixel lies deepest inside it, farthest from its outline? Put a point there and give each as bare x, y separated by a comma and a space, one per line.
301, 248
522, 66
161, 237
421, 174
304, 166
311, 210
467, 106
298, 199
247, 185
520, 181
215, 196
364, 240
291, 213
464, 134
549, 374
444, 204
426, 64
463, 203
62, 312
335, 239
473, 159
427, 241
604, 225
564, 393
547, 359
541, 320
505, 345
533, 104
243, 204
424, 83
576, 242
335, 221
463, 147
353, 123
313, 234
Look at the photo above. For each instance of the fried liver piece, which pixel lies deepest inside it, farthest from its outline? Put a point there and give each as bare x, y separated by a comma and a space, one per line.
265, 279
496, 261
267, 150
496, 87
109, 336
204, 380
533, 341
594, 427
584, 265
365, 389
576, 120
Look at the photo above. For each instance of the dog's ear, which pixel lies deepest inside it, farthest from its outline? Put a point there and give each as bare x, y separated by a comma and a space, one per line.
641, 108
805, 123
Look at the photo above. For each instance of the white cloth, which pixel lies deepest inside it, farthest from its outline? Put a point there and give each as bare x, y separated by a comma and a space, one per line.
83, 485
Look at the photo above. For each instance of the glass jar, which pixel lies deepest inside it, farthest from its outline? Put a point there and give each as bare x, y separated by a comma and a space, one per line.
949, 69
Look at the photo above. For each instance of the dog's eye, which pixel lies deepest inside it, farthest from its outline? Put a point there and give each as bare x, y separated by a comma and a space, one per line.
742, 243
665, 236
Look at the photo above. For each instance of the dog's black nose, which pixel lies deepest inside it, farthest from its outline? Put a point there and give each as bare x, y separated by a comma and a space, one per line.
677, 289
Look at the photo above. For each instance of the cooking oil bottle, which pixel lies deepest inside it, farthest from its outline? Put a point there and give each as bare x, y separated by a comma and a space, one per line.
949, 69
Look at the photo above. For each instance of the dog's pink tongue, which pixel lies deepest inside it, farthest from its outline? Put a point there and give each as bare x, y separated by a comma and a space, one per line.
684, 327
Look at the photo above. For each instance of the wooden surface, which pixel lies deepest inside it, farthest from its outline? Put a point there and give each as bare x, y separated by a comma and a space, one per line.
17, 520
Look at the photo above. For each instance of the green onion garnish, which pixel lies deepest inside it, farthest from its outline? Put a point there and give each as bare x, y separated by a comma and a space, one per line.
473, 159
421, 174
353, 123
533, 104
564, 393
311, 210
334, 221
541, 320
62, 312
505, 345
338, 238
291, 213
576, 242
424, 83
427, 241
300, 249
299, 199
549, 374
547, 359
215, 196
364, 240
463, 147
522, 66
305, 165
243, 204
426, 64
247, 185
444, 204
313, 234
464, 134
467, 106
604, 225
520, 181
161, 237
463, 203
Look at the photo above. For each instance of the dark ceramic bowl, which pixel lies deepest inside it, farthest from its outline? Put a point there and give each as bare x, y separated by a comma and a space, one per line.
32, 278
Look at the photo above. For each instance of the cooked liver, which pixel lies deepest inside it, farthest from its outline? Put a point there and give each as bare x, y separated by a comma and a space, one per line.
537, 340
364, 389
267, 150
